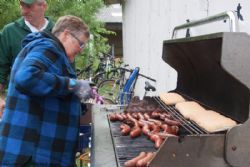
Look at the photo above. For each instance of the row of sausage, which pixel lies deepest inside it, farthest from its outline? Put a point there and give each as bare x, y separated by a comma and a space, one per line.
156, 125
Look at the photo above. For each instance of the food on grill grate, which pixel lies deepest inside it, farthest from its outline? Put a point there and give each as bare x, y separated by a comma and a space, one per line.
135, 132
213, 121
154, 137
144, 162
171, 98
132, 162
189, 109
171, 122
209, 120
125, 129
170, 129
137, 123
116, 117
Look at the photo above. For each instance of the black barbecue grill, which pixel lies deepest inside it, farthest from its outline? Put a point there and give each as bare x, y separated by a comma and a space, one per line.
214, 71
204, 78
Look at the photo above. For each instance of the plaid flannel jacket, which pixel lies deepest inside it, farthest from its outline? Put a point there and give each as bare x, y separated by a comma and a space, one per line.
41, 116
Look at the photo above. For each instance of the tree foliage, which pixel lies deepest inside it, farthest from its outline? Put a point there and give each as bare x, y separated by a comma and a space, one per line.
85, 9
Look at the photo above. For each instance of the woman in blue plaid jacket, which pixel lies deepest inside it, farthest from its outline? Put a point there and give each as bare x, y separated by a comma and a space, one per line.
41, 117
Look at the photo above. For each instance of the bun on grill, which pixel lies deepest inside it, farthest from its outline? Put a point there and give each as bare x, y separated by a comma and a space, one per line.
190, 109
209, 120
171, 98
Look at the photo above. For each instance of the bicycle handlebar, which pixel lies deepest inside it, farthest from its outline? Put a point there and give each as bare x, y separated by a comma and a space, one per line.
142, 75
151, 79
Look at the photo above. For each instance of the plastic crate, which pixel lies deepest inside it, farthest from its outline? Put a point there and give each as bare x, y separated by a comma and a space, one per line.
84, 140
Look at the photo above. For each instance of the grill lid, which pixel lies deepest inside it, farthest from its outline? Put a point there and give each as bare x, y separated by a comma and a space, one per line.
213, 70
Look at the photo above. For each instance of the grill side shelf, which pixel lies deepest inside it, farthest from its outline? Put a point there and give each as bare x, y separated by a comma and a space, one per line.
192, 150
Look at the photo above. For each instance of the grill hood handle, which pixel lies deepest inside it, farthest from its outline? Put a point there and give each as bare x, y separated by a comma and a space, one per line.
231, 15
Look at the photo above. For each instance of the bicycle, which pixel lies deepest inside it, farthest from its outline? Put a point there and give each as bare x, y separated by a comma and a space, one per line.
121, 90
107, 68
85, 72
88, 74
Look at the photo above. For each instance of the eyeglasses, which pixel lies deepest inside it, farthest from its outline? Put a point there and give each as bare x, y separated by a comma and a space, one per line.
81, 44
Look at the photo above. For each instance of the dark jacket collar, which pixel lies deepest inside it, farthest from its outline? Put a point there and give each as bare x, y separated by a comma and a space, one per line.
48, 34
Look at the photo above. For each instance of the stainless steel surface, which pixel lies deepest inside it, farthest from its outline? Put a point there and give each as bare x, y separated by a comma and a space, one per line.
237, 145
102, 147
235, 57
231, 15
214, 70
195, 151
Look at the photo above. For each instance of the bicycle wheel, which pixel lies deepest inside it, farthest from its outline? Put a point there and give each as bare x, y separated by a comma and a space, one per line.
103, 76
108, 101
99, 77
109, 89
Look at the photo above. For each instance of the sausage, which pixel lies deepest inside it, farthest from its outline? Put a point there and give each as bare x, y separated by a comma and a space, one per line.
166, 128
158, 142
155, 128
134, 115
146, 130
164, 135
167, 115
132, 119
155, 115
135, 132
129, 122
145, 161
132, 162
156, 139
157, 122
124, 116
164, 115
143, 122
125, 129
140, 115
171, 122
175, 129
170, 129
119, 116
112, 117
146, 116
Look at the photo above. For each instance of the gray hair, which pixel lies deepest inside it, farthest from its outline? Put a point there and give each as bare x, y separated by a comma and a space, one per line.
72, 23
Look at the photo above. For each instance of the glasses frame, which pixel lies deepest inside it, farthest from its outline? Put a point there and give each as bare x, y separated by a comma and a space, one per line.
81, 44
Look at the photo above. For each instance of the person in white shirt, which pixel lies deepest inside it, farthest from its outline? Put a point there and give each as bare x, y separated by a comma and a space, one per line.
33, 19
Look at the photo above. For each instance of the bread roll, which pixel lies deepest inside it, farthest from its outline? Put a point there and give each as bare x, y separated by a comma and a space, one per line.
189, 109
171, 98
209, 120
212, 121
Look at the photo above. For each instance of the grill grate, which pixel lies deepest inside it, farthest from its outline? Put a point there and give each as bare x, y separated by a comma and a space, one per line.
189, 126
127, 148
